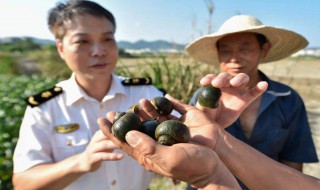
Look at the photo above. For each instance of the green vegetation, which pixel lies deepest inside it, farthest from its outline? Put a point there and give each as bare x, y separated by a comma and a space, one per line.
8, 64
13, 91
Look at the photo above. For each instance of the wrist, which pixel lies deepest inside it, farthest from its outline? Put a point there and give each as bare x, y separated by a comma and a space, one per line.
220, 141
221, 178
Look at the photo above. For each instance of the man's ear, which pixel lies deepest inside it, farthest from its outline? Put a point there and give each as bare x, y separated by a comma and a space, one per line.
59, 46
265, 49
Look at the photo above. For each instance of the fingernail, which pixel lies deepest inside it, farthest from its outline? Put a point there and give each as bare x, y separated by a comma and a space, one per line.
132, 139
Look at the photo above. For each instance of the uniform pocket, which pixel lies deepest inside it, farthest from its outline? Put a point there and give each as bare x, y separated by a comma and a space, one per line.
68, 144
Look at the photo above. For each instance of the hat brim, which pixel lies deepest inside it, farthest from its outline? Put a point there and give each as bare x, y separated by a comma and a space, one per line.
283, 42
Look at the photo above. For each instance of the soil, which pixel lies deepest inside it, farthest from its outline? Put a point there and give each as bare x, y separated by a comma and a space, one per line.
302, 75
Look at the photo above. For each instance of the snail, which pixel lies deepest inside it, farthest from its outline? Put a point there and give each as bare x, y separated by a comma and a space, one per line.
209, 97
149, 127
171, 132
117, 116
162, 105
129, 121
134, 108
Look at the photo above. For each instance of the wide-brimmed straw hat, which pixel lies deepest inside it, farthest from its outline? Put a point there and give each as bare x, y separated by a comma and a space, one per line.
284, 42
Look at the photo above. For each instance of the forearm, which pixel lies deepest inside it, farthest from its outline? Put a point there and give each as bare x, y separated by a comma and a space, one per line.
256, 170
221, 179
49, 176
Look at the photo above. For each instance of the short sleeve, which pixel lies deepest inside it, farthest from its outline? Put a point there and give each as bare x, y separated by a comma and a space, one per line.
33, 145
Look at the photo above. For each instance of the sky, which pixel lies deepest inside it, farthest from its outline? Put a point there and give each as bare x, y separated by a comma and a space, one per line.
178, 21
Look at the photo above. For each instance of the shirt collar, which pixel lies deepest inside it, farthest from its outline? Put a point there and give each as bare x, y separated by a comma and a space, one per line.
274, 89
75, 93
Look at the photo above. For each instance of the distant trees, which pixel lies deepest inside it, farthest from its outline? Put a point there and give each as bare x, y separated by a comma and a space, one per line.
22, 45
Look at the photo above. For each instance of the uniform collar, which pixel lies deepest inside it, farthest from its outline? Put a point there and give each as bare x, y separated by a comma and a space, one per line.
75, 93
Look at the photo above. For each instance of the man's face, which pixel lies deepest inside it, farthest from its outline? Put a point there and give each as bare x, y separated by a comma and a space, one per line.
89, 47
240, 53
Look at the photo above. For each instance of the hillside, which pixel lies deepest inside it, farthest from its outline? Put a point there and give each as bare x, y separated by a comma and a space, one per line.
139, 46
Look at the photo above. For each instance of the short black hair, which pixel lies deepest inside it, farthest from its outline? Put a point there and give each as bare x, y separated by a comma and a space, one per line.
63, 12
262, 39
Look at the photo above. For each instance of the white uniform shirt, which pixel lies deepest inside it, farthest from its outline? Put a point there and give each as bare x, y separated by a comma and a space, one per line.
39, 143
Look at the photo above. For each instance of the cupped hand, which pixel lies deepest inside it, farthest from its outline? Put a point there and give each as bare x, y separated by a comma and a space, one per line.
99, 149
187, 162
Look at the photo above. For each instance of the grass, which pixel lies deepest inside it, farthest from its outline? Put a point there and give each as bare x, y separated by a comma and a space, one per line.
164, 183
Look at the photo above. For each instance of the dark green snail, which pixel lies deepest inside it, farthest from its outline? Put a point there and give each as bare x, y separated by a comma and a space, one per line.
117, 116
171, 132
149, 127
162, 105
129, 121
209, 97
134, 108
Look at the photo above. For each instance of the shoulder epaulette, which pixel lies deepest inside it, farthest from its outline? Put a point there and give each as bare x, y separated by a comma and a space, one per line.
164, 92
44, 96
136, 81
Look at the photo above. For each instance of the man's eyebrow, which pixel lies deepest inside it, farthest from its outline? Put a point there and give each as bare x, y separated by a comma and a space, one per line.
109, 32
86, 34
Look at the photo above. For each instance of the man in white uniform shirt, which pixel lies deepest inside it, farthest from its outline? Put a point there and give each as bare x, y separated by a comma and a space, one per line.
60, 145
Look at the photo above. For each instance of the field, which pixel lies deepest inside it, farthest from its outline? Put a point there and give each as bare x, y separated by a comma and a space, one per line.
179, 76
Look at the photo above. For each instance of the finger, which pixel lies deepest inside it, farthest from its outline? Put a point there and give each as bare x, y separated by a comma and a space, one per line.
240, 79
260, 88
110, 116
206, 80
103, 146
148, 110
107, 156
105, 126
178, 105
145, 147
222, 80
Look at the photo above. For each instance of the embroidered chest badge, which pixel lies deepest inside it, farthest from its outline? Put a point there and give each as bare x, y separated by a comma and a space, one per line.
68, 128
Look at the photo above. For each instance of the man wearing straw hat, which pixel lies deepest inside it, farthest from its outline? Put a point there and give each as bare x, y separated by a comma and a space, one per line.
276, 124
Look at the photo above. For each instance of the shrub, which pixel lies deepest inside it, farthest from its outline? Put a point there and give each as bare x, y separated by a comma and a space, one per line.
13, 92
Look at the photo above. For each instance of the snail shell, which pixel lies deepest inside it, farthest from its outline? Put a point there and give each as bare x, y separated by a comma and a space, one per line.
129, 121
171, 132
117, 116
162, 105
209, 97
149, 127
134, 108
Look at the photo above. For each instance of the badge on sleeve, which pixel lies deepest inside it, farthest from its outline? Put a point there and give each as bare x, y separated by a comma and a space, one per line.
68, 128
136, 81
44, 96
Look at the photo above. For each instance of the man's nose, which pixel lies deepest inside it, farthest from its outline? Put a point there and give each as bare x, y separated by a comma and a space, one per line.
235, 56
98, 49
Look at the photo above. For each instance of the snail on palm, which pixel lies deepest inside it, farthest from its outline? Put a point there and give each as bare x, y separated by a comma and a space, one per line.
171, 132
166, 133
162, 105
127, 122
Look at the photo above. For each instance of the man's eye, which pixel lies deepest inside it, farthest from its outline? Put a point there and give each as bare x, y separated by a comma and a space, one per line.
224, 51
108, 39
245, 50
81, 41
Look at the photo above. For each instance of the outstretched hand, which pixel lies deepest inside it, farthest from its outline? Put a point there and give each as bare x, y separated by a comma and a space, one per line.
236, 96
194, 164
